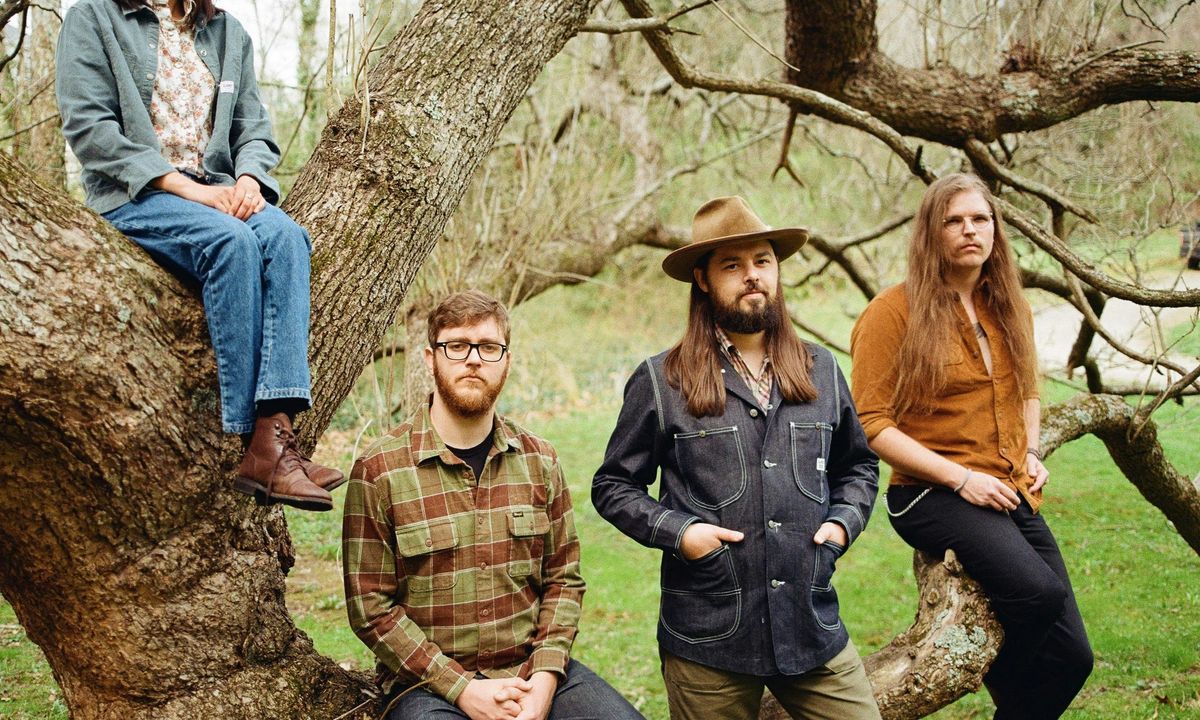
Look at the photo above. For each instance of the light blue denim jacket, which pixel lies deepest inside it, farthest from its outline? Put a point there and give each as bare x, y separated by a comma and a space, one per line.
107, 59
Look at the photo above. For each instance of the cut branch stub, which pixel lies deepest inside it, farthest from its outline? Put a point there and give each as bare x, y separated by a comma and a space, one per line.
942, 656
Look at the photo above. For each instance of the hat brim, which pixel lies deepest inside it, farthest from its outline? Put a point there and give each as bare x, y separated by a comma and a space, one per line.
679, 263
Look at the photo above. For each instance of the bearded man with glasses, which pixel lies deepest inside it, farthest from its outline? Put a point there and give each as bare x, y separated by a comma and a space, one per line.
459, 550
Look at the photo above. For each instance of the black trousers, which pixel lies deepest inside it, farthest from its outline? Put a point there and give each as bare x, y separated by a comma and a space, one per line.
1046, 657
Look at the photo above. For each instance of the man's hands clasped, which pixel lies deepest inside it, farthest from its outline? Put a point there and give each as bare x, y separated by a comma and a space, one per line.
509, 698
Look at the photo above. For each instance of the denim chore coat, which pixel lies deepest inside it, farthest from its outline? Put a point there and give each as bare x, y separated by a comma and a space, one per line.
765, 605
107, 60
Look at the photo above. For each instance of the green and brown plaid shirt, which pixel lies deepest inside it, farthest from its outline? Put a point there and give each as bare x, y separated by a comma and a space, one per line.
759, 384
446, 576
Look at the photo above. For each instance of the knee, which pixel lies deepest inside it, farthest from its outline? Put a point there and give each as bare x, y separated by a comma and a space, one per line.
233, 246
282, 236
1036, 602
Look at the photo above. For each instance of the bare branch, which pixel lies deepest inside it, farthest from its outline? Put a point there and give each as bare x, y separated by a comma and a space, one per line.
822, 337
662, 22
22, 7
1087, 272
982, 157
805, 100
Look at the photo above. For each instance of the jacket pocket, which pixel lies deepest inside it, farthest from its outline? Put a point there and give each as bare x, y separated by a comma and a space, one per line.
714, 465
701, 599
427, 549
810, 455
824, 597
527, 528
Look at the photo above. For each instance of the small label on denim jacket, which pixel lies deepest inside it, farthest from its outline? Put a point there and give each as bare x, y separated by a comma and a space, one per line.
820, 464
226, 86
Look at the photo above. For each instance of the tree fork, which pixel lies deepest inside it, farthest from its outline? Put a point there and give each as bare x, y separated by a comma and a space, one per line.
153, 589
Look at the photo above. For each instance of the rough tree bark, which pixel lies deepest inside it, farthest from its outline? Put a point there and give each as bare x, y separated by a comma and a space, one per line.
153, 589
832, 47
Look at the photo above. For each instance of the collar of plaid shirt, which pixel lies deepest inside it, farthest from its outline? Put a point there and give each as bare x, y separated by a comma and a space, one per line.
759, 384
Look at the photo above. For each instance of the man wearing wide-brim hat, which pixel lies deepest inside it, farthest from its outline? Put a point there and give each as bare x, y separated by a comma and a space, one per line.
766, 481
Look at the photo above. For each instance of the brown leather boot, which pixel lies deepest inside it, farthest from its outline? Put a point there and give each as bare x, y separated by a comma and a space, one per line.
271, 470
326, 478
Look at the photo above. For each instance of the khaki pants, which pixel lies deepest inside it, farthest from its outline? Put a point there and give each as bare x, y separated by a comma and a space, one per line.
837, 690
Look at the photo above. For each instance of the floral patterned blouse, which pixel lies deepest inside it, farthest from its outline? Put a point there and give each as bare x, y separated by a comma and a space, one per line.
184, 88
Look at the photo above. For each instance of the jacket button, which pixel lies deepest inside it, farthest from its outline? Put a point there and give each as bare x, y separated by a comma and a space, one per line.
768, 464
753, 412
772, 524
777, 583
703, 433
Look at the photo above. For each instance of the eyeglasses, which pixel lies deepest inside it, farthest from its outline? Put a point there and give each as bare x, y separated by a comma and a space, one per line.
461, 350
956, 223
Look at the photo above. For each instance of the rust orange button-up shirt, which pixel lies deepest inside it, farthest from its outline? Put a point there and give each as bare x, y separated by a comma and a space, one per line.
978, 419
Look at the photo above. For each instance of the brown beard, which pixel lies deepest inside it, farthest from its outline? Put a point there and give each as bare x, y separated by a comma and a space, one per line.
732, 318
465, 403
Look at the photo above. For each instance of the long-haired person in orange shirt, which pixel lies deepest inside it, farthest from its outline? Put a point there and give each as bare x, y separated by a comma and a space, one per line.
945, 382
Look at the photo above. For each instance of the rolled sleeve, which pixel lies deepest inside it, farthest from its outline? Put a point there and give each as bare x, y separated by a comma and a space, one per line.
874, 347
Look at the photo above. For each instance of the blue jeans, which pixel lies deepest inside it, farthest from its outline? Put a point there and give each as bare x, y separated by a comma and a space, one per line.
253, 277
583, 695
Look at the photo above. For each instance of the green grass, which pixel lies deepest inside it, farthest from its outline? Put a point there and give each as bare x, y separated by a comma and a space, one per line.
1137, 582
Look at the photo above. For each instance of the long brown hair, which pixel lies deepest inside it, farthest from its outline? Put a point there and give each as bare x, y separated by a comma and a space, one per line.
693, 365
200, 9
932, 306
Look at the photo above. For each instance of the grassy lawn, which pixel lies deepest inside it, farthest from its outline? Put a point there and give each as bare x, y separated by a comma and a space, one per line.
1137, 582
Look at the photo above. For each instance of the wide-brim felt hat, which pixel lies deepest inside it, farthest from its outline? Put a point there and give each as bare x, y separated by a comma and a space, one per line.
728, 221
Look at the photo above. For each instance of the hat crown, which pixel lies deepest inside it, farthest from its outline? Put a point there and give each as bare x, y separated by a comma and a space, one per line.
723, 217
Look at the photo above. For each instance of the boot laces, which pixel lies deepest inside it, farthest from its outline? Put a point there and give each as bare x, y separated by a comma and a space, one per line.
290, 460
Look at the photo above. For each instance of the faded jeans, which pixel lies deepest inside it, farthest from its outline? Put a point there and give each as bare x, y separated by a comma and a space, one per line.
253, 277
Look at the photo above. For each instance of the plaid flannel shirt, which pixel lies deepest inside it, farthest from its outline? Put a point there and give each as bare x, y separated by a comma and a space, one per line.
759, 384
446, 576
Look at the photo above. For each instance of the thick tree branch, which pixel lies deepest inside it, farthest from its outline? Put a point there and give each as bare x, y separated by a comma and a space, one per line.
1140, 458
835, 48
805, 100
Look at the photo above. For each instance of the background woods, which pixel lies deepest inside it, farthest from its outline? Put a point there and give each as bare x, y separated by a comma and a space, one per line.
465, 149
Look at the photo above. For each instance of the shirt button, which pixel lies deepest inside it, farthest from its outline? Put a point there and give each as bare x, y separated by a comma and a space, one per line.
149, 76
753, 412
150, 45
428, 543
203, 53
483, 566
479, 520
485, 612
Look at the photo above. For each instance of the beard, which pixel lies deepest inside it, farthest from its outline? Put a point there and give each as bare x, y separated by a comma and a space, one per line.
732, 317
468, 401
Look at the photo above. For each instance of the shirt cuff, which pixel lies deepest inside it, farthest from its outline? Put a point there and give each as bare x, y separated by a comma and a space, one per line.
549, 660
874, 426
849, 518
449, 682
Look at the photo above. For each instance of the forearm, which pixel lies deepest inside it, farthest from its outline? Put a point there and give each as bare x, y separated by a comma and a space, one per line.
910, 457
1033, 423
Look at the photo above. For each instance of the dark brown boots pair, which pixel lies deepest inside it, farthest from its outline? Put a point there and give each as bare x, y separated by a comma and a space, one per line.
273, 470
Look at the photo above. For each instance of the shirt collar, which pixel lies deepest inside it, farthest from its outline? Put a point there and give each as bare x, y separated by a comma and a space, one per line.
427, 444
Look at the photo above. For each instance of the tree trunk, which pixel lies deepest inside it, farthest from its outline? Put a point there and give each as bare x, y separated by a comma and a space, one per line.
153, 589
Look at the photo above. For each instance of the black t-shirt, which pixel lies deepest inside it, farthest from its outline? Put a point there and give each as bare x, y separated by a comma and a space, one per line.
475, 457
